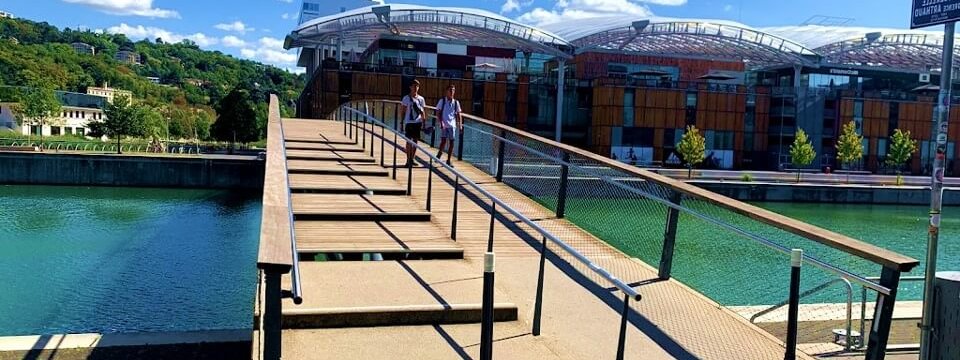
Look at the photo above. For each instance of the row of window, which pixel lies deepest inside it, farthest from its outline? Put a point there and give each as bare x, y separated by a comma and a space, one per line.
82, 115
59, 130
643, 137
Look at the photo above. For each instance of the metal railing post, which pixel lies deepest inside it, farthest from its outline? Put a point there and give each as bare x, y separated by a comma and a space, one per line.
669, 237
500, 156
433, 133
456, 195
429, 184
460, 145
339, 116
409, 177
486, 312
796, 259
622, 342
562, 194
373, 138
272, 314
383, 143
538, 303
396, 145
883, 315
363, 142
493, 215
349, 120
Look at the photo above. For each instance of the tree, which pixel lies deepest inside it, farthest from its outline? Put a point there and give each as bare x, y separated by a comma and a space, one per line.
902, 148
850, 146
237, 120
801, 152
692, 147
121, 118
39, 107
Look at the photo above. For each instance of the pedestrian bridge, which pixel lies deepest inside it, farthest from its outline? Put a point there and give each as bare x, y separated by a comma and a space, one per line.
362, 257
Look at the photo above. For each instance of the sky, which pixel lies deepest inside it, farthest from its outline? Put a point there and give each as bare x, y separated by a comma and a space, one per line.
254, 29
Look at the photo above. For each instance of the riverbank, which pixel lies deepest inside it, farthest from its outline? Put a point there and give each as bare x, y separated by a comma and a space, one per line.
826, 193
132, 170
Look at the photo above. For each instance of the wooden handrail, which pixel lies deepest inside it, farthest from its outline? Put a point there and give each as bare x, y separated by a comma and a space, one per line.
870, 252
275, 237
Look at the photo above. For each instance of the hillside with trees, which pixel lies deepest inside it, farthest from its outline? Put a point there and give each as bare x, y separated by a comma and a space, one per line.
192, 81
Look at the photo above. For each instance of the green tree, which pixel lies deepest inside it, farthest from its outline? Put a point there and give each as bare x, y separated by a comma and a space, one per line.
902, 148
850, 146
39, 107
237, 120
801, 152
120, 118
692, 147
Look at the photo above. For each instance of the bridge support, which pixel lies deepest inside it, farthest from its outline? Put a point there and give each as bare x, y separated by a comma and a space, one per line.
669, 238
883, 315
272, 313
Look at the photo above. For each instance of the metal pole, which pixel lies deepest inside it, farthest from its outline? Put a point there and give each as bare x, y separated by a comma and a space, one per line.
460, 145
456, 193
561, 73
538, 303
622, 342
396, 145
272, 314
486, 312
429, 184
493, 215
796, 259
410, 177
941, 116
502, 150
562, 196
670, 238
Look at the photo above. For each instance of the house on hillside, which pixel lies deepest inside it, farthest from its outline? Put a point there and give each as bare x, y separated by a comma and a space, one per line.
4, 14
127, 56
76, 112
84, 48
108, 92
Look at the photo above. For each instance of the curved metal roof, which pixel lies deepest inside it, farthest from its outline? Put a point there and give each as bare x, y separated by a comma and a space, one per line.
367, 24
901, 52
717, 39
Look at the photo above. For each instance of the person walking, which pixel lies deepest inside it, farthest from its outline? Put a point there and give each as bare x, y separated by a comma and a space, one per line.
451, 121
414, 117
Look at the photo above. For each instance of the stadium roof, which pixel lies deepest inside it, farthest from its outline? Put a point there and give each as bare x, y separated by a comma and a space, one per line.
895, 49
367, 24
716, 39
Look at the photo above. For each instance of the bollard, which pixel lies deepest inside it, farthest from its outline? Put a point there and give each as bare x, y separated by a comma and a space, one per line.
486, 316
796, 259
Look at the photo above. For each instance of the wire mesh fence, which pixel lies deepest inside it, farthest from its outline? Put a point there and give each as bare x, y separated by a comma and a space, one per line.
738, 261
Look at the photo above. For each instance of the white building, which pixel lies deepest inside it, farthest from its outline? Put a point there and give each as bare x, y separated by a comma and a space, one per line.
4, 14
72, 121
127, 56
108, 92
312, 9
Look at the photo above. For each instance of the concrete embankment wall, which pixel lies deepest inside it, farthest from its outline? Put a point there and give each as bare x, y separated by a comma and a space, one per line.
814, 193
205, 171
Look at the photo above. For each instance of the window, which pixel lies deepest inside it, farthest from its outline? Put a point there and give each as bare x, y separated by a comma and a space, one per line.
747, 141
628, 108
81, 131
35, 130
69, 130
881, 148
691, 99
55, 130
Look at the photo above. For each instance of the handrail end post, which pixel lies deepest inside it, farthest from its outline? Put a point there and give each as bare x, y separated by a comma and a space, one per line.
669, 238
272, 314
883, 315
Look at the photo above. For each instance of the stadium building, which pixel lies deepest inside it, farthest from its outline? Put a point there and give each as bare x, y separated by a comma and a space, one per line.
630, 86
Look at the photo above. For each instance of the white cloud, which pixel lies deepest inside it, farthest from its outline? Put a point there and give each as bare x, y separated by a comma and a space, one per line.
509, 6
727, 7
581, 9
151, 33
287, 1
128, 7
270, 51
288, 16
233, 41
236, 26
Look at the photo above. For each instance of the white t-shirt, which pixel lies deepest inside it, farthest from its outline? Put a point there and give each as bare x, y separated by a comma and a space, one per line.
411, 116
448, 111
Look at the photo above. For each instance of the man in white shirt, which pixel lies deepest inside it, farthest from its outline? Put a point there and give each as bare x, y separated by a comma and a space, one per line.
414, 117
451, 121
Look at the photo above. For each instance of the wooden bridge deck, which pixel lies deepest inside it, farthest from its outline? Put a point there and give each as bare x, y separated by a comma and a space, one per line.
429, 309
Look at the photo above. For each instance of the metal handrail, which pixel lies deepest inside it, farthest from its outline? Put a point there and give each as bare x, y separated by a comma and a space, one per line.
863, 298
814, 290
296, 292
763, 241
625, 288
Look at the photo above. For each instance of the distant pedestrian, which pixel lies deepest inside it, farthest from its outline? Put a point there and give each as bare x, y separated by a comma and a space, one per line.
413, 119
451, 121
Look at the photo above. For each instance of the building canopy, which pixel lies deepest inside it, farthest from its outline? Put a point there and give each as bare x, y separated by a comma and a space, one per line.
365, 25
710, 39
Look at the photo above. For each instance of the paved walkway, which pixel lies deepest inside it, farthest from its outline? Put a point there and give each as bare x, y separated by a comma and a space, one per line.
422, 304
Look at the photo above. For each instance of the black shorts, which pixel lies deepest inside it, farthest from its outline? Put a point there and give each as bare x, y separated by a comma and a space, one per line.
412, 130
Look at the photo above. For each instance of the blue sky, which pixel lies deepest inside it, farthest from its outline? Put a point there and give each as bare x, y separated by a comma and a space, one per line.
254, 29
